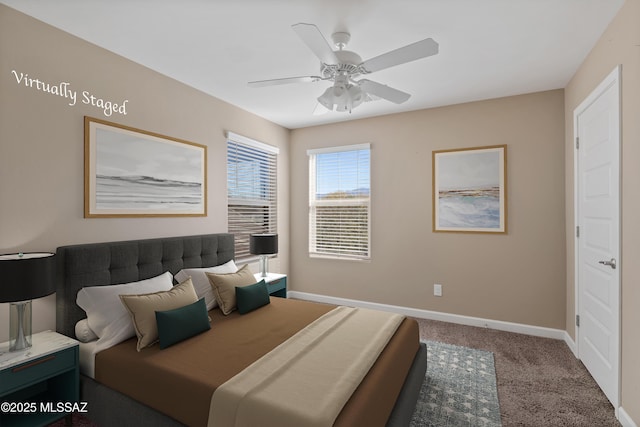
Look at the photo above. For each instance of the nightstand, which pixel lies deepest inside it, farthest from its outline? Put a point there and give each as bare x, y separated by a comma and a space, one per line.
40, 384
276, 283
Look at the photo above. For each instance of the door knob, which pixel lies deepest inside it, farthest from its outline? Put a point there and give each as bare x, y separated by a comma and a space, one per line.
611, 263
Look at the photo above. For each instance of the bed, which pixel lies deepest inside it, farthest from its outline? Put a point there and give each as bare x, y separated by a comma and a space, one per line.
386, 395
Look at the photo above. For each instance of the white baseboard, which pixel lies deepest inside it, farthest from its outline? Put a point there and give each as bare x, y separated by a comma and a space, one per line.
519, 328
571, 344
625, 419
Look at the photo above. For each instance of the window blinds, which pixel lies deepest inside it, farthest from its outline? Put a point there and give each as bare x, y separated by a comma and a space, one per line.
251, 190
339, 202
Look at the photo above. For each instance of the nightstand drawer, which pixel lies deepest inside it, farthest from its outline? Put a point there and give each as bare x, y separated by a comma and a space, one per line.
277, 285
36, 370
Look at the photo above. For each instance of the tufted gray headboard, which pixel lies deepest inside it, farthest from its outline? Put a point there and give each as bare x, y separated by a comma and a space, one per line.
99, 264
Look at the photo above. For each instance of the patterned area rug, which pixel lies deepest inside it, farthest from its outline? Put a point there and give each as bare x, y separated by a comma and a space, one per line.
459, 389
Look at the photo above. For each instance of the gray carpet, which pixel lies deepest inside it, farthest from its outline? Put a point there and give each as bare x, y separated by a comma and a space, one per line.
459, 389
540, 382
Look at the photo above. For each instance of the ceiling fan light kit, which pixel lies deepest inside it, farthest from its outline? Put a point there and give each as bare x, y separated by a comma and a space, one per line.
343, 66
342, 95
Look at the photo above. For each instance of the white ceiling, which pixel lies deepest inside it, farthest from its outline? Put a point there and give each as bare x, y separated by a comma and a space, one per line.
488, 48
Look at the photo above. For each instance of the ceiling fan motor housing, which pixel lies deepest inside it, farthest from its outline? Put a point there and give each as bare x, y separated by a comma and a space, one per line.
348, 63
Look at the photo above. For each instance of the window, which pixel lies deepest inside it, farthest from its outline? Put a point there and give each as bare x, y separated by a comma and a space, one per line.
251, 190
339, 202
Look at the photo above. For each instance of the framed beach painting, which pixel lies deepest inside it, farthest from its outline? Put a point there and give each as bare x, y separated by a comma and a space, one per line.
132, 173
470, 190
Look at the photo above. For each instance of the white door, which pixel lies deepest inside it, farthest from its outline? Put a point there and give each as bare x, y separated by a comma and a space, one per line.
597, 126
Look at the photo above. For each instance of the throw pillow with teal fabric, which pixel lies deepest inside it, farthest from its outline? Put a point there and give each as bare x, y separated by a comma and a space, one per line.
250, 297
181, 323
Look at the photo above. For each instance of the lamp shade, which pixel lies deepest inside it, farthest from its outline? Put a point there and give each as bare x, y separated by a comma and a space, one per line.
263, 244
26, 276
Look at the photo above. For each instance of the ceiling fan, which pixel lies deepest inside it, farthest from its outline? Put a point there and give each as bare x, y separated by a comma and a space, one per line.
342, 67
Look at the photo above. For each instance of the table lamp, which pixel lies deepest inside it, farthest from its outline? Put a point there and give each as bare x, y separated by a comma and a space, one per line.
263, 245
23, 277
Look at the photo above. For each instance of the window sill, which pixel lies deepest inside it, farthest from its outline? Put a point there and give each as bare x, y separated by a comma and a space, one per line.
338, 258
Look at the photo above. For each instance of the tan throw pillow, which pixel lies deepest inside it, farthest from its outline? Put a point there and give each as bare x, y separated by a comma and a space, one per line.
224, 286
143, 309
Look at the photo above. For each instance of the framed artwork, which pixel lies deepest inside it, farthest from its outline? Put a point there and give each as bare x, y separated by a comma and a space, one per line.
130, 172
470, 190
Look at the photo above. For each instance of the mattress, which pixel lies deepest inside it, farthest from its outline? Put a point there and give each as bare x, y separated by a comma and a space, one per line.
180, 380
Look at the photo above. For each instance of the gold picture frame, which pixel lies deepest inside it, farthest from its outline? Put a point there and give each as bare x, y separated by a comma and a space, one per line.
470, 190
130, 172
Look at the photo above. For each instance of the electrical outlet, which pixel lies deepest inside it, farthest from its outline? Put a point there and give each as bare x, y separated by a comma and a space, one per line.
437, 290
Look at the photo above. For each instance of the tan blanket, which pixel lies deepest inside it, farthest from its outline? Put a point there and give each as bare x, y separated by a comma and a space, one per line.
323, 364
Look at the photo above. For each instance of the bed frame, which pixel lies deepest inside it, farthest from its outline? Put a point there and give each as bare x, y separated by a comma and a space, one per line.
99, 264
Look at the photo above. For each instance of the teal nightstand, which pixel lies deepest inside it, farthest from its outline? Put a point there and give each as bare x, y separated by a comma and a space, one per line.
276, 283
40, 384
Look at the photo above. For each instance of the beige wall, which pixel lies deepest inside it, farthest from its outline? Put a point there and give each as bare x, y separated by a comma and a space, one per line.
620, 44
525, 276
518, 277
41, 144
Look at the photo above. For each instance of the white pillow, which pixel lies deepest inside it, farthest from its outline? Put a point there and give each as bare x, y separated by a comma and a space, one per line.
106, 315
84, 332
201, 282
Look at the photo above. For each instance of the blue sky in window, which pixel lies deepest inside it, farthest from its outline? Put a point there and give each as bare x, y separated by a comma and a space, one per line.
347, 171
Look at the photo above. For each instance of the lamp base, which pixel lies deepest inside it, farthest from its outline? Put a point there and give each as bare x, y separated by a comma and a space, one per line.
19, 325
264, 262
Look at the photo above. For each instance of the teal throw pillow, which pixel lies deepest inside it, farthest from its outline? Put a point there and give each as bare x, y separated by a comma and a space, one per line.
181, 323
250, 297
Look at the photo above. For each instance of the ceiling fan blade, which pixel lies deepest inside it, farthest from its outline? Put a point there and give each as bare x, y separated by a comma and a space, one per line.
287, 80
313, 38
411, 52
383, 91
